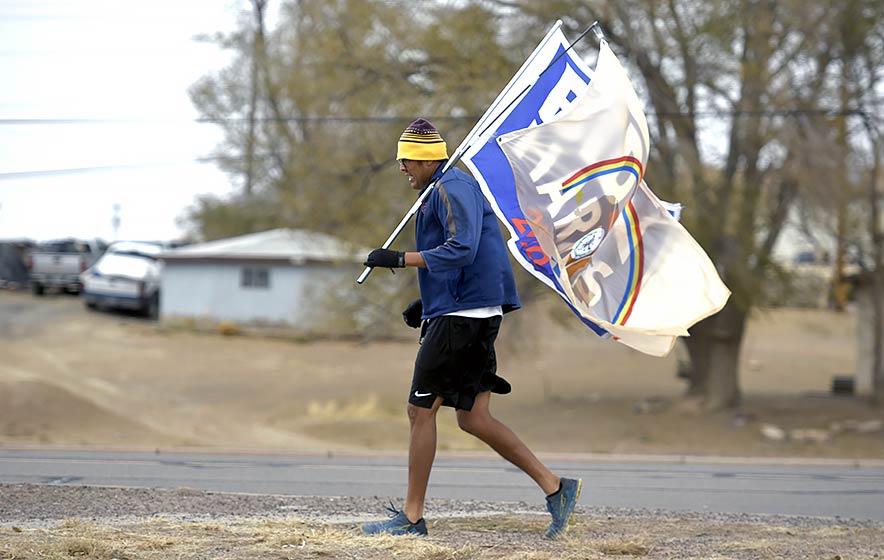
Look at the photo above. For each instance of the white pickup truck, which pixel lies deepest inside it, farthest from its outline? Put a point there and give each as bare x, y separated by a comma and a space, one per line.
58, 264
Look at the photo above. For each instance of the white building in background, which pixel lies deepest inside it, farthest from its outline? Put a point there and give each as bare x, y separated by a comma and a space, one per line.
272, 277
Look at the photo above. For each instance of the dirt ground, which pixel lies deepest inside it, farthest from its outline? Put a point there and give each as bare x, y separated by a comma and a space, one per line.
70, 377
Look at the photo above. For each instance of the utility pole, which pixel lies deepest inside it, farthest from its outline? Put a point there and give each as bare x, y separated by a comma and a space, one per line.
115, 222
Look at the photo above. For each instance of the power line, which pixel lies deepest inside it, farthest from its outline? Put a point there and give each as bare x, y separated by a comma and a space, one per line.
763, 113
209, 159
221, 120
99, 168
400, 118
140, 120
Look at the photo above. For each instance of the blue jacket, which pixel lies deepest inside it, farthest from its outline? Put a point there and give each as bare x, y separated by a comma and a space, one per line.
467, 263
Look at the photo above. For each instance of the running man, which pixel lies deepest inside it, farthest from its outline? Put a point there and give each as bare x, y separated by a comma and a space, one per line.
466, 286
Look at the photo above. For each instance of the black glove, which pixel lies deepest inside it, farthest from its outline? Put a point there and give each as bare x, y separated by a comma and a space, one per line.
385, 258
412, 314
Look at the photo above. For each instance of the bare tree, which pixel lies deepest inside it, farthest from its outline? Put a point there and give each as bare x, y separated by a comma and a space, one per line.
863, 43
311, 109
735, 91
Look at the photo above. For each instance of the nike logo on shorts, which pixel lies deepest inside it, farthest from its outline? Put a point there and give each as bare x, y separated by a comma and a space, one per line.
419, 394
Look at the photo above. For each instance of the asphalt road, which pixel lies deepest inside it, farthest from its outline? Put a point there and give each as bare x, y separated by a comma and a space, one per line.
828, 490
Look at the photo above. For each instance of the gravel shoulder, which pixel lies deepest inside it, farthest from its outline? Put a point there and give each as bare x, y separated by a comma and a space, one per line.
40, 504
100, 522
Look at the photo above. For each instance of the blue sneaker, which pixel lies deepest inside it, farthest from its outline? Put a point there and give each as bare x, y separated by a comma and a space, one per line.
398, 524
561, 505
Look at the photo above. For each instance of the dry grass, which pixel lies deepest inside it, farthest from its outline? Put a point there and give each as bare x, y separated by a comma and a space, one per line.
233, 540
621, 548
484, 538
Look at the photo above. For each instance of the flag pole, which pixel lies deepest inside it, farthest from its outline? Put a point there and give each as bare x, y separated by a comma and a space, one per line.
464, 146
598, 32
482, 127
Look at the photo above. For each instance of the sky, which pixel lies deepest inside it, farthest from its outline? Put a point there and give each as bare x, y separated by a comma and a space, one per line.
96, 120
125, 67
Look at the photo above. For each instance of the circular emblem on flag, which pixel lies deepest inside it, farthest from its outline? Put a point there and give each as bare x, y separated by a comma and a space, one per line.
588, 244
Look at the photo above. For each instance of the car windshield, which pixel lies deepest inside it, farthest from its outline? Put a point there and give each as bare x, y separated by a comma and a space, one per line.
134, 254
64, 246
140, 249
125, 264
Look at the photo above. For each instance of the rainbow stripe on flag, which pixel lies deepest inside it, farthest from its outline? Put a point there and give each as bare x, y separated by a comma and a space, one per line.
595, 170
636, 264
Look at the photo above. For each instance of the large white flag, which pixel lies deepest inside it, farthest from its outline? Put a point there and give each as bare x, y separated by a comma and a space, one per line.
622, 260
564, 171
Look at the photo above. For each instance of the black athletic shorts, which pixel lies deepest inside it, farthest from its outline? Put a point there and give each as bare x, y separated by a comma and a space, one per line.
456, 361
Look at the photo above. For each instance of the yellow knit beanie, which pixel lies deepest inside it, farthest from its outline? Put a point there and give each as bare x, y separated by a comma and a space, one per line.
421, 141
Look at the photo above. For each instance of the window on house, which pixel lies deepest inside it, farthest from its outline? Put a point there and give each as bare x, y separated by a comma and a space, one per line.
254, 277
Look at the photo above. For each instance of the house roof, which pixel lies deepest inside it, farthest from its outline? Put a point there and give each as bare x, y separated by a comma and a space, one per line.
293, 246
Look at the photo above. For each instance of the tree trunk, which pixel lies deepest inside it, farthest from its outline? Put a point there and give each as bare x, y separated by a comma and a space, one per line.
714, 348
698, 369
878, 342
878, 336
877, 273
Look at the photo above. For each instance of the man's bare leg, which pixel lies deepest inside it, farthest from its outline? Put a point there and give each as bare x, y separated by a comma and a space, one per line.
421, 453
505, 442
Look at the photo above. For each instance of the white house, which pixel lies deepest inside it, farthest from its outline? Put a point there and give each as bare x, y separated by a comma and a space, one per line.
275, 277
